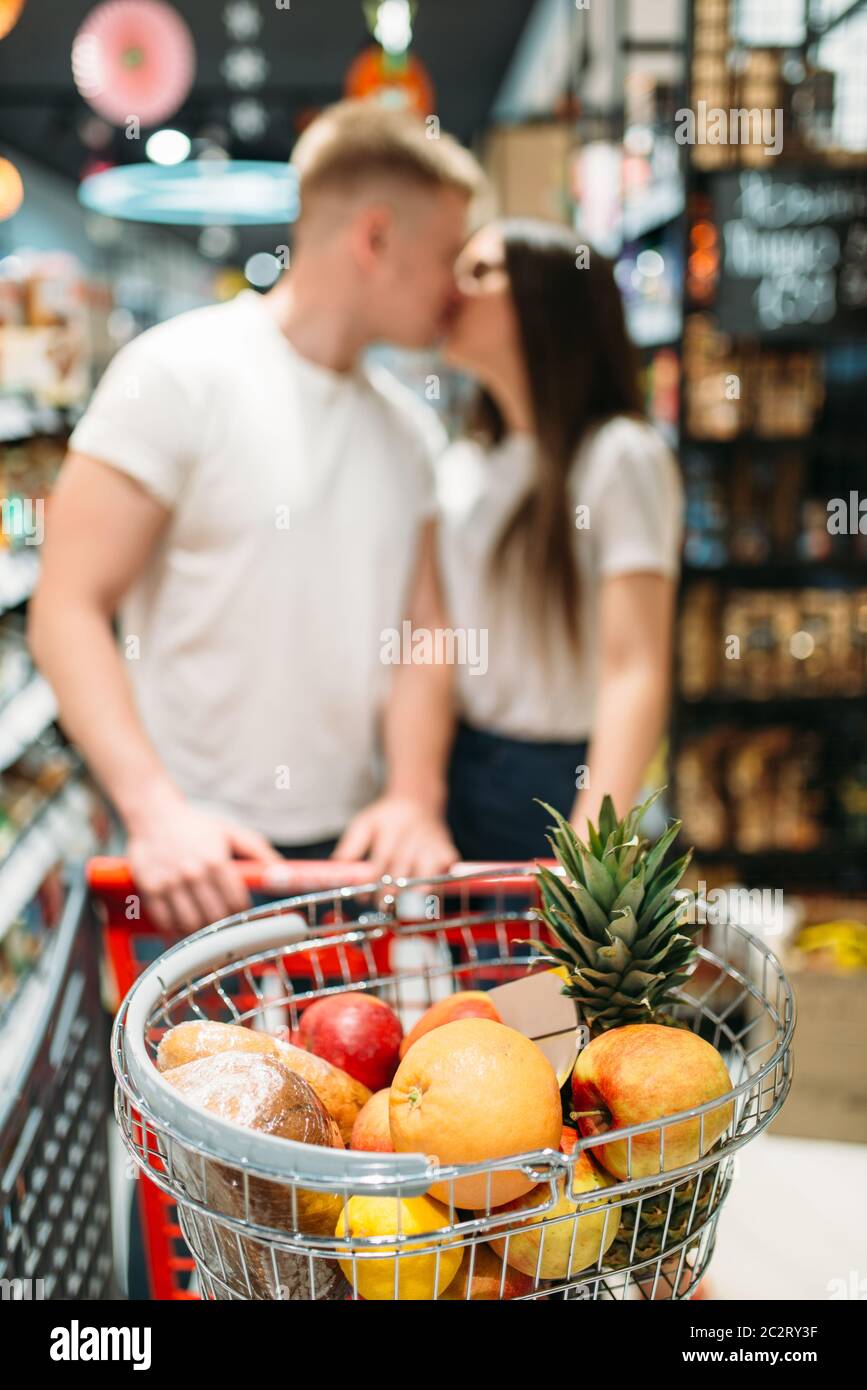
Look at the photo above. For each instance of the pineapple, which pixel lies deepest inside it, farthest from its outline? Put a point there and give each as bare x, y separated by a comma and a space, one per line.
663, 1220
625, 947
618, 925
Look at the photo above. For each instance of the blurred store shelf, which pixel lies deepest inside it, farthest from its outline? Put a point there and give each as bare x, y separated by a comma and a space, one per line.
660, 204
61, 830
24, 717
771, 574
653, 325
22, 418
19, 571
780, 706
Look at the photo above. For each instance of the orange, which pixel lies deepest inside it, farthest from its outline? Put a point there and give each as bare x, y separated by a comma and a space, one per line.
490, 1278
472, 1091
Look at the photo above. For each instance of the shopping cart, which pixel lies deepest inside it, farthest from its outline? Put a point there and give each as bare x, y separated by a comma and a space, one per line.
242, 1197
132, 942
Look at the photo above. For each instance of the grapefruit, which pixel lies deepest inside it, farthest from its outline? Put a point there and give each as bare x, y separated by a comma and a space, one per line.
472, 1091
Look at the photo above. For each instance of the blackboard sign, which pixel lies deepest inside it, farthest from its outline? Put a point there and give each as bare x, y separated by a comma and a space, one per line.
793, 253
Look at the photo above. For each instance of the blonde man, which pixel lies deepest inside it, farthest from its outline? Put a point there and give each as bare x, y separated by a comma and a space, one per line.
258, 505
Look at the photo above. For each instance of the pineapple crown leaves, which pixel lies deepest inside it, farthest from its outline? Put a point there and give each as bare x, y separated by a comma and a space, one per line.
615, 918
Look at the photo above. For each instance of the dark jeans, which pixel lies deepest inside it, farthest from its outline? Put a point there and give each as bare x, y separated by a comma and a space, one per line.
493, 781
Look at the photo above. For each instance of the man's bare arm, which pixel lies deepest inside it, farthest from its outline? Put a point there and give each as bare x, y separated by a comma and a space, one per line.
101, 529
405, 832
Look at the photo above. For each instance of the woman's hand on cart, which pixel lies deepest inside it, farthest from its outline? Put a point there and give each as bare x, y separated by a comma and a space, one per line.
399, 835
182, 864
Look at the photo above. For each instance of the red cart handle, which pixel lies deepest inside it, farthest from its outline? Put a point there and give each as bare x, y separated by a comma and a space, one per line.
108, 875
113, 875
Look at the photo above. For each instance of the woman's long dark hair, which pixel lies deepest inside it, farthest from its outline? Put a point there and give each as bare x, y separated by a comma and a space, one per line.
582, 370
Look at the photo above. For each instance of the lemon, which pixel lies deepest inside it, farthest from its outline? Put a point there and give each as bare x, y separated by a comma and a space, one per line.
423, 1276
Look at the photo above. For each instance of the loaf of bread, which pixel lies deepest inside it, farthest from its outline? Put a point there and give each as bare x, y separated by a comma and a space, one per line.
342, 1096
257, 1091
189, 1042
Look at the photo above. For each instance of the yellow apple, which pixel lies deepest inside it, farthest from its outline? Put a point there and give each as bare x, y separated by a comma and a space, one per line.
570, 1236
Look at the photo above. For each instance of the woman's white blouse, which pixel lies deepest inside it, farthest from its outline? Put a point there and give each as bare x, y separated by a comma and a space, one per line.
626, 511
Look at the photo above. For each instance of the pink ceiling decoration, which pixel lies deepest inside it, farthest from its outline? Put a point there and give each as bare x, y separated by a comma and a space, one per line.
134, 58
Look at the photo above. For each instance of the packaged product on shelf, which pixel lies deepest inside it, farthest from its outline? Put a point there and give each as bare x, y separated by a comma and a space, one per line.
28, 472
29, 783
24, 940
54, 290
825, 641
799, 800
713, 381
705, 541
788, 395
814, 541
12, 299
699, 783
699, 644
858, 642
752, 663
750, 536
809, 105
850, 792
750, 788
795, 643
759, 88
769, 773
52, 364
16, 666
787, 473
46, 351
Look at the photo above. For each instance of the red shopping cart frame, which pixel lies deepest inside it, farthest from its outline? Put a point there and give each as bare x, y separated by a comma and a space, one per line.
132, 942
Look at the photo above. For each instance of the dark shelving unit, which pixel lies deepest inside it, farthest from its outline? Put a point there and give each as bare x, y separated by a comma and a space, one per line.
832, 453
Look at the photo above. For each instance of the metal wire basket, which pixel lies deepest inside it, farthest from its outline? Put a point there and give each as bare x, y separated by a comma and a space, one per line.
251, 1204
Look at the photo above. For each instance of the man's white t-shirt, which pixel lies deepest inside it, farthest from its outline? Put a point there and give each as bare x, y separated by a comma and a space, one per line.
629, 485
254, 637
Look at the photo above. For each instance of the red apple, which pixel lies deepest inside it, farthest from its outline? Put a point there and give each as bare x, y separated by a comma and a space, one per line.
371, 1130
356, 1032
645, 1071
568, 1140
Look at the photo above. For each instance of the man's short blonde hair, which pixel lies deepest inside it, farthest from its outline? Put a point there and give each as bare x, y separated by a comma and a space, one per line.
359, 142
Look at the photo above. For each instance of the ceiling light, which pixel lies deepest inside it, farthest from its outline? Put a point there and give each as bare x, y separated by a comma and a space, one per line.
11, 190
168, 147
248, 118
244, 68
393, 27
650, 263
196, 193
262, 270
242, 20
217, 242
